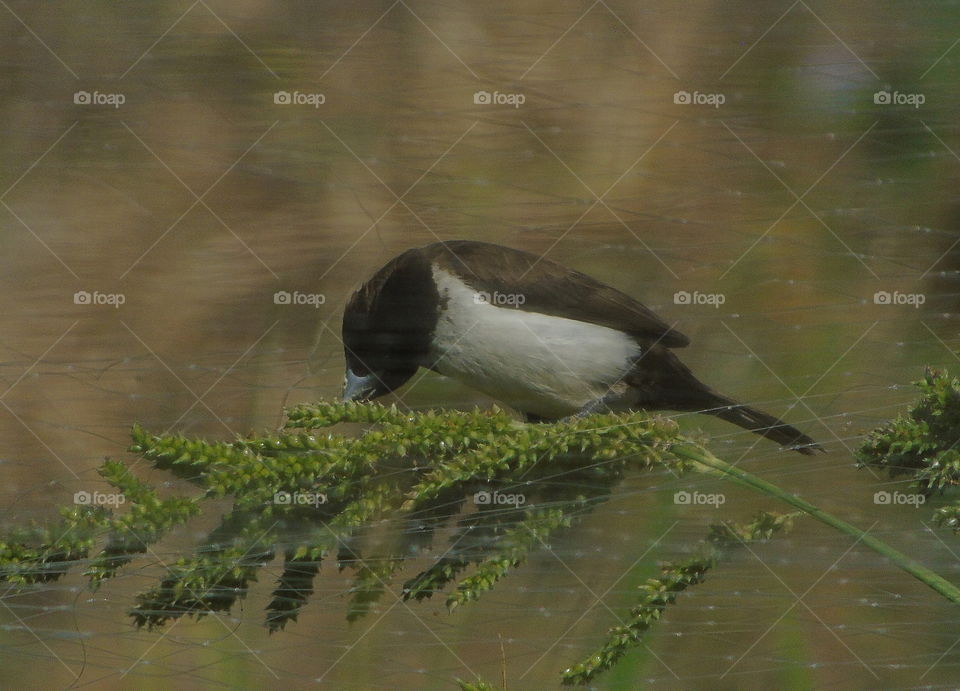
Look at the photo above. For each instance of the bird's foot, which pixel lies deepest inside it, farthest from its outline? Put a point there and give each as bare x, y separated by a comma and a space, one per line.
595, 406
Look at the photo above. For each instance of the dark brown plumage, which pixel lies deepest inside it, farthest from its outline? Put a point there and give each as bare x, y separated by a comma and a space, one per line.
392, 326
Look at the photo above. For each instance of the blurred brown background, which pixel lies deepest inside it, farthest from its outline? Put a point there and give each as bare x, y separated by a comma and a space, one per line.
200, 196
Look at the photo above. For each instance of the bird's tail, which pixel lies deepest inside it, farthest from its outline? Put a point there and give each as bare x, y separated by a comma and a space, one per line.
660, 380
760, 423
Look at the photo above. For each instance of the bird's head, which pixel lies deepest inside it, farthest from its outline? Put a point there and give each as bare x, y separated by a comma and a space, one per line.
386, 329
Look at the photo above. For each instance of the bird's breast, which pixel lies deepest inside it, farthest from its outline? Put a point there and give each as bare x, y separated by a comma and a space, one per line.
537, 363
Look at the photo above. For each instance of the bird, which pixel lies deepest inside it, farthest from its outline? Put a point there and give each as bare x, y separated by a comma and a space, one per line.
550, 342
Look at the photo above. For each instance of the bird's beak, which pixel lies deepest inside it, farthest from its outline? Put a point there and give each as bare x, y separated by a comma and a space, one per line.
356, 387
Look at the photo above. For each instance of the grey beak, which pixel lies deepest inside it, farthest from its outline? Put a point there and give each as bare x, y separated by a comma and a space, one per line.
356, 387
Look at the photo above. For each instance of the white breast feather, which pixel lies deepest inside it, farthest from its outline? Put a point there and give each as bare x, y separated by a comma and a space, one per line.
534, 362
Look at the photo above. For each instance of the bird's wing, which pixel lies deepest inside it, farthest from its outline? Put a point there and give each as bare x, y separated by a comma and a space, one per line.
551, 288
